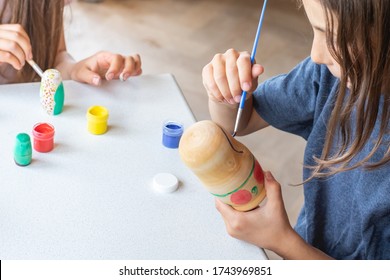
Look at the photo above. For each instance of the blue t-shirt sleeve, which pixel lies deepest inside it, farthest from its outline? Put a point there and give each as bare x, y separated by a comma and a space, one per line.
291, 101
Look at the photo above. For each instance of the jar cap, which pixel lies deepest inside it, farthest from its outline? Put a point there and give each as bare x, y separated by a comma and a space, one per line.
165, 182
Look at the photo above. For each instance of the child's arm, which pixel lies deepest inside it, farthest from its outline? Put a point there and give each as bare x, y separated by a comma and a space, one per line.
100, 65
15, 46
268, 227
224, 79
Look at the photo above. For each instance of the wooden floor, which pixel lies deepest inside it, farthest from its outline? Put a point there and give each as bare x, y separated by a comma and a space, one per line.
181, 36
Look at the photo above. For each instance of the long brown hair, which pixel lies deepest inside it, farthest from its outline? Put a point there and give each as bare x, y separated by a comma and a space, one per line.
43, 22
362, 49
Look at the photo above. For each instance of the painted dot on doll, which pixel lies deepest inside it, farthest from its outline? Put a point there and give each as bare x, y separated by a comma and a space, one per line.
241, 197
255, 190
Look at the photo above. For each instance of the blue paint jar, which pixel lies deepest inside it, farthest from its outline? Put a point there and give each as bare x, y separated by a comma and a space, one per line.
172, 132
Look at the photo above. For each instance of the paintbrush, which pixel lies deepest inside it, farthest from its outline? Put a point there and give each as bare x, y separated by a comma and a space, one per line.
36, 67
253, 54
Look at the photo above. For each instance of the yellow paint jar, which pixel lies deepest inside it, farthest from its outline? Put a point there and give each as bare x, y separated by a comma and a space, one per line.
97, 117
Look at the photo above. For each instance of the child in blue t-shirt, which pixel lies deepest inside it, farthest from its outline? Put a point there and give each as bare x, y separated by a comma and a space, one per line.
338, 100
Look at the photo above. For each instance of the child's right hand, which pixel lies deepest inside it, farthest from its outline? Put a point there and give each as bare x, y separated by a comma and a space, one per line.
228, 74
15, 46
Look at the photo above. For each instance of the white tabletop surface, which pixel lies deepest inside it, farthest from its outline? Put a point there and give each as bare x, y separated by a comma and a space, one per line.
92, 196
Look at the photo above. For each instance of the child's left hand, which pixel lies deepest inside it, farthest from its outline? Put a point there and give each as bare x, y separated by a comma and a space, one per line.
106, 65
266, 226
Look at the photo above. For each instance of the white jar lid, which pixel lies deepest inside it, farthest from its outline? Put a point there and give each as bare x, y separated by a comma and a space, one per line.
165, 182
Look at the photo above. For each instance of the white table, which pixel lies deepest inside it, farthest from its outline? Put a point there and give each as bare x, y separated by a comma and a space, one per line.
92, 196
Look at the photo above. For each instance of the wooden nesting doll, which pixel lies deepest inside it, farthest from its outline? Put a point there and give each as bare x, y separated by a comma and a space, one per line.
226, 167
52, 92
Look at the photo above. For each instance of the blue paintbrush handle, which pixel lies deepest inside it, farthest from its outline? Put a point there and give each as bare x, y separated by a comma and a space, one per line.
253, 54
259, 26
242, 101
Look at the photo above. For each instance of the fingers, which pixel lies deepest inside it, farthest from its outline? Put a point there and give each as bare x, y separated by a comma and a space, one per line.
257, 70
230, 217
223, 208
10, 58
15, 46
244, 71
115, 65
272, 188
106, 65
119, 66
234, 74
228, 74
220, 78
209, 84
132, 67
87, 75
238, 224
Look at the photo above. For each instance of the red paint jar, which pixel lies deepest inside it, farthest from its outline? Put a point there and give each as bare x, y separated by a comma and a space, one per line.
43, 134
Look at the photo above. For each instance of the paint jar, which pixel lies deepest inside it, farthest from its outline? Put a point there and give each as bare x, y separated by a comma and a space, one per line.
43, 134
97, 117
172, 132
22, 149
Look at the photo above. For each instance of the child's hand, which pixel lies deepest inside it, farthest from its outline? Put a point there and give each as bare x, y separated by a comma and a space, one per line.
266, 226
15, 46
106, 65
228, 74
